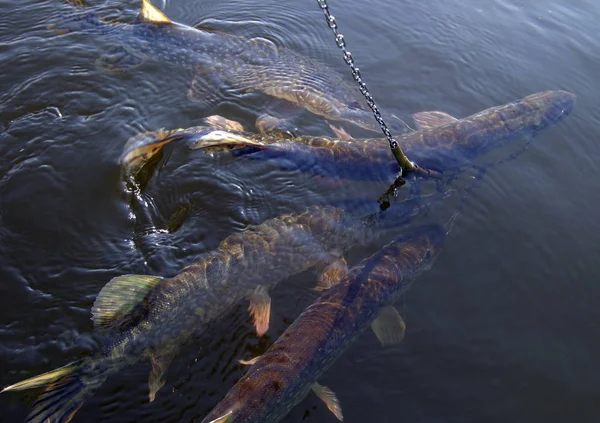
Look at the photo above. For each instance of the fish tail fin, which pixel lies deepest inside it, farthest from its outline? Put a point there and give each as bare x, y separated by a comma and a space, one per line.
64, 391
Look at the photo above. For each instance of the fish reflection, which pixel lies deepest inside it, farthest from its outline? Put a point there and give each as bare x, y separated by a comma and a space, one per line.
442, 143
146, 316
222, 61
285, 374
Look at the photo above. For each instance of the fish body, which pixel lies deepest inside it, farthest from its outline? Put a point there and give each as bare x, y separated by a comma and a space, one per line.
289, 369
222, 61
149, 317
442, 143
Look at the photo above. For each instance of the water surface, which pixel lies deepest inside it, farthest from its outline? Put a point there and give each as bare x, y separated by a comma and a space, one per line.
502, 329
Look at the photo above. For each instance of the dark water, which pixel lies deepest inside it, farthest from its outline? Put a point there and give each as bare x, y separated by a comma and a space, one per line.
502, 329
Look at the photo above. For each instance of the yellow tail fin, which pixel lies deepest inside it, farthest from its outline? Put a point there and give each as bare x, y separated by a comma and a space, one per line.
64, 392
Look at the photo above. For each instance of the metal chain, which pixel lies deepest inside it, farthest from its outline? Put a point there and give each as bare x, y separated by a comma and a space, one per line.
405, 164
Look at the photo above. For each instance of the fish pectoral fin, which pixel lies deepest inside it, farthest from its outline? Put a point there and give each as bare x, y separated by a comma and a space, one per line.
332, 274
150, 13
340, 132
260, 309
119, 297
389, 326
329, 398
249, 362
224, 124
117, 61
204, 89
160, 364
428, 120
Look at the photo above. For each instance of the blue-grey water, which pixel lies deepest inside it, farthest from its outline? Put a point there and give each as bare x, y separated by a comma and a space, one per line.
504, 328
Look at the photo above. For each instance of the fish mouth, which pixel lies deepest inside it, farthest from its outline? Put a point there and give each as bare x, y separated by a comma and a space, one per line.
141, 148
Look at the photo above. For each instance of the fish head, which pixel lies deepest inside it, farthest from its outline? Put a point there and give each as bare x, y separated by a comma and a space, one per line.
422, 246
141, 148
262, 397
553, 106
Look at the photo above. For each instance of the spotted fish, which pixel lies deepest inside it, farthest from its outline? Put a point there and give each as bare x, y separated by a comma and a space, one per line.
222, 61
289, 370
149, 317
442, 143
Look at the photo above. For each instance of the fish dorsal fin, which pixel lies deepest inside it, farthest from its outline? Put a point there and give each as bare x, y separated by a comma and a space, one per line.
224, 418
428, 120
119, 297
149, 13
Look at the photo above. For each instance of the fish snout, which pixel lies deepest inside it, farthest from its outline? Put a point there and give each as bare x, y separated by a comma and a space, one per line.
425, 242
554, 105
564, 103
435, 236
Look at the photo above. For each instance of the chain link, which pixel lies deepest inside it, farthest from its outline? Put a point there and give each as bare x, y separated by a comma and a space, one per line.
403, 161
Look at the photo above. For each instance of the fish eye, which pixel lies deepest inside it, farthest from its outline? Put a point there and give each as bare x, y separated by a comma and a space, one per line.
354, 105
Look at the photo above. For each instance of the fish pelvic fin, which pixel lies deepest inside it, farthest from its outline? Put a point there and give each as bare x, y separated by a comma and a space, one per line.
260, 309
250, 362
65, 390
328, 397
120, 296
160, 363
227, 417
149, 13
340, 132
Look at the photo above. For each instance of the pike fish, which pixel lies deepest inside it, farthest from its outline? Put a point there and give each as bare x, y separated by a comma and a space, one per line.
146, 316
285, 374
222, 61
442, 143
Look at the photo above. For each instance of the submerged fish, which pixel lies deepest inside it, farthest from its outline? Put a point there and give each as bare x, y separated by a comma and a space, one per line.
284, 375
442, 143
149, 316
224, 61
